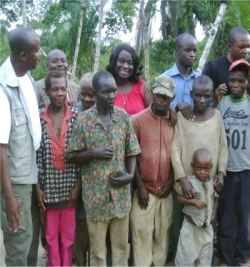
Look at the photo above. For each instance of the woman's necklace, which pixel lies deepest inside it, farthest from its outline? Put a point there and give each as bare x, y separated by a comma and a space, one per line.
124, 97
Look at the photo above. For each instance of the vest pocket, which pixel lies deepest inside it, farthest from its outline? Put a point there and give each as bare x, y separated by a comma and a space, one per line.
19, 155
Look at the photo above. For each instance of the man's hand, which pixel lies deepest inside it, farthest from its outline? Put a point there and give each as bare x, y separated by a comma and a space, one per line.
103, 152
71, 103
199, 204
13, 212
220, 91
166, 189
73, 197
172, 115
40, 198
218, 181
143, 196
187, 188
186, 110
121, 179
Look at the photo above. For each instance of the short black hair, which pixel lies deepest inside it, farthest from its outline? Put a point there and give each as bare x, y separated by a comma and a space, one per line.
241, 68
20, 40
202, 80
136, 61
234, 32
98, 75
179, 38
53, 74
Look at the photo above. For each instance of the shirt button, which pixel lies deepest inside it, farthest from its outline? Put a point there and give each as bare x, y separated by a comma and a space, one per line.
62, 157
61, 149
54, 157
159, 187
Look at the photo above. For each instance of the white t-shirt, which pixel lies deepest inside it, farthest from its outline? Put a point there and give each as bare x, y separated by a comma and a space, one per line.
30, 97
5, 119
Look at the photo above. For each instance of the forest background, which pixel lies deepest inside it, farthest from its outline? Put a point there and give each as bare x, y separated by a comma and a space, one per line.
75, 26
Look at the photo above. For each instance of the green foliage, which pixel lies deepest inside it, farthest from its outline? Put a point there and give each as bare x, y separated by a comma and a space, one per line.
120, 17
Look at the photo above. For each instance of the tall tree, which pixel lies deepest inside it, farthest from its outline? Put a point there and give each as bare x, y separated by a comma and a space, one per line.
138, 28
24, 13
78, 40
146, 23
212, 34
99, 32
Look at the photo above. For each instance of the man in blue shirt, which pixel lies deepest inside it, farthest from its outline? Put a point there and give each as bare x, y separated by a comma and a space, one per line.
183, 74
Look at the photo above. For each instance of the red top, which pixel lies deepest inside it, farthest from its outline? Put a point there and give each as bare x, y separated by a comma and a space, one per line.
155, 137
57, 144
133, 102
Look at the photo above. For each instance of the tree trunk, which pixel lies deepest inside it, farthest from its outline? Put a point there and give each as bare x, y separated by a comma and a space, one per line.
212, 34
24, 13
98, 41
146, 23
78, 40
138, 29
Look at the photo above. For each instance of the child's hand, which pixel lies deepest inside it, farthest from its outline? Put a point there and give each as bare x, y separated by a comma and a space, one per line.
199, 204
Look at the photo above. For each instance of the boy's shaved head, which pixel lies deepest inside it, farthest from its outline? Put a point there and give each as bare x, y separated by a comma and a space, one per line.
202, 155
203, 80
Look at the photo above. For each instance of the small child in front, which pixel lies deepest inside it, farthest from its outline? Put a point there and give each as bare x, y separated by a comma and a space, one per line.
195, 246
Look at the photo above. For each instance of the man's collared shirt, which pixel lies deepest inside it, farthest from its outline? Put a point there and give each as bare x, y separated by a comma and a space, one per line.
102, 201
183, 85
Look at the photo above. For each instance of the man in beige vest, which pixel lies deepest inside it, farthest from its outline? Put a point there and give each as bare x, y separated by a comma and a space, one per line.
20, 137
56, 60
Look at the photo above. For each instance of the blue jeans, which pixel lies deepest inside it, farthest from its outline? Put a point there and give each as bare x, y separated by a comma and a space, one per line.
234, 210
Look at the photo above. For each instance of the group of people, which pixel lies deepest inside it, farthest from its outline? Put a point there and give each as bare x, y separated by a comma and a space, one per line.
110, 161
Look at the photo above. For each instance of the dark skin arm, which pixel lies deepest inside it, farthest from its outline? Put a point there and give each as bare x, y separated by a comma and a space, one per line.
13, 210
167, 187
143, 195
172, 115
186, 110
220, 91
74, 194
218, 181
187, 188
194, 202
40, 197
214, 210
102, 152
124, 178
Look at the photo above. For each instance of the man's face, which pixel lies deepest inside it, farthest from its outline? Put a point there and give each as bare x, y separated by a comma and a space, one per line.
107, 92
161, 103
240, 46
87, 97
57, 93
202, 96
33, 53
237, 83
124, 65
57, 61
186, 52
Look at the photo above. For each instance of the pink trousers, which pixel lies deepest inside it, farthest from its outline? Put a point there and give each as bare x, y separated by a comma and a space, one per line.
60, 227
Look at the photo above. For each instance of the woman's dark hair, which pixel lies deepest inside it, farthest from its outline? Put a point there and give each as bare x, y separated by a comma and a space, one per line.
136, 61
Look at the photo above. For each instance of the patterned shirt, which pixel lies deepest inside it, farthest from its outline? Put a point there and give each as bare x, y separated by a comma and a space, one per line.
56, 179
101, 200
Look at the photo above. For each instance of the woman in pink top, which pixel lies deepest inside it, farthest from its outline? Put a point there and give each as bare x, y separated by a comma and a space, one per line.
132, 92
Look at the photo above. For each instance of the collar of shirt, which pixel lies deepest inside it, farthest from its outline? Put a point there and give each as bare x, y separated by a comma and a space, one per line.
157, 117
113, 116
175, 71
11, 78
57, 144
